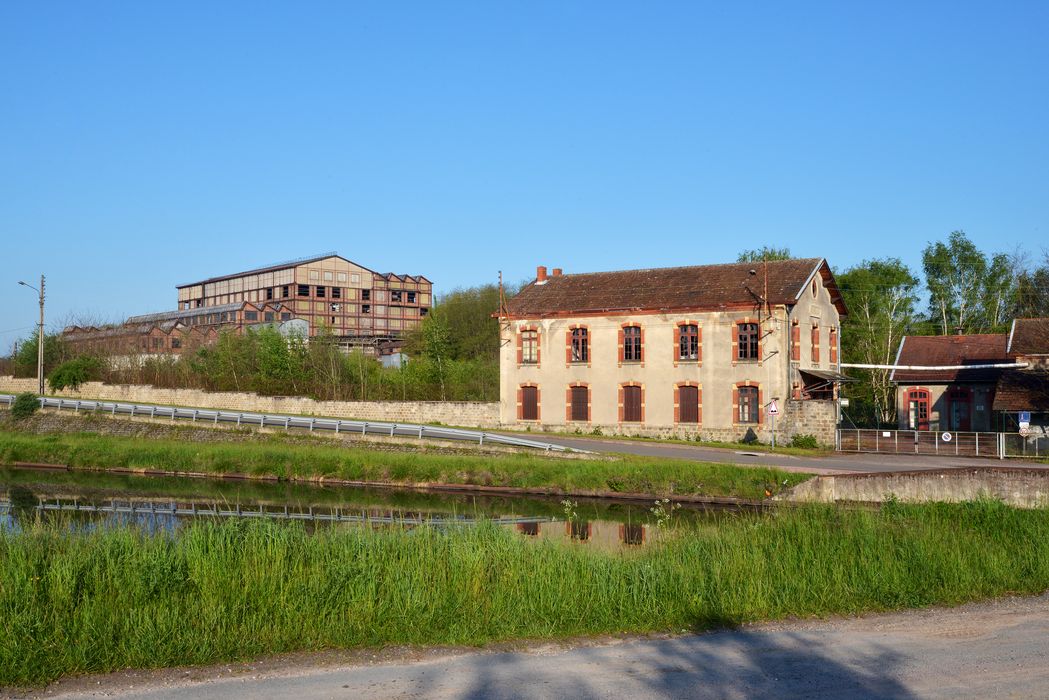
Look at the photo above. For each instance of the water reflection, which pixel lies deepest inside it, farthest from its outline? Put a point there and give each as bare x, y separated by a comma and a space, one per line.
164, 504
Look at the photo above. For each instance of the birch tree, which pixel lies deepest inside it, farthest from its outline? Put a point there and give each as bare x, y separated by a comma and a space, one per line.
881, 296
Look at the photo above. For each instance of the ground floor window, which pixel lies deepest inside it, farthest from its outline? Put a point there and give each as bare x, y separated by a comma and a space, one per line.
748, 404
632, 404
688, 404
580, 403
529, 403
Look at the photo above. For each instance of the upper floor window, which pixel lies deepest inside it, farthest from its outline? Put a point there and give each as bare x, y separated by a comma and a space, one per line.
580, 345
748, 404
320, 292
529, 347
688, 344
632, 344
748, 341
269, 293
336, 292
251, 315
304, 290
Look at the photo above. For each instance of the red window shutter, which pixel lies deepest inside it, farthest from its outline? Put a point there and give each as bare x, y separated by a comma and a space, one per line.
677, 404
815, 343
621, 342
520, 402
735, 342
568, 346
699, 341
677, 354
833, 345
568, 404
621, 388
699, 409
735, 404
538, 348
641, 357
795, 342
760, 407
520, 347
761, 341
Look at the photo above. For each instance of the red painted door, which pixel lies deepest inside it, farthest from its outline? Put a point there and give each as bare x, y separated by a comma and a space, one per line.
918, 409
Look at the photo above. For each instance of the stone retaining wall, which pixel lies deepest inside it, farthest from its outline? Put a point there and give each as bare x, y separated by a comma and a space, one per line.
467, 414
1023, 488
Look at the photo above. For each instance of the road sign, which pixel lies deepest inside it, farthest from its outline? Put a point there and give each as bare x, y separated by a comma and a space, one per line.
946, 437
1025, 431
1025, 416
773, 409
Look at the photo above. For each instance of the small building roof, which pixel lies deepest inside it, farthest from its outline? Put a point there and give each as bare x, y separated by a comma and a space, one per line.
1022, 390
187, 313
698, 287
1029, 336
940, 350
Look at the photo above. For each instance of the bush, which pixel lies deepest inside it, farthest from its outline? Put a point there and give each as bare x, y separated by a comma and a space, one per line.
24, 406
72, 373
801, 440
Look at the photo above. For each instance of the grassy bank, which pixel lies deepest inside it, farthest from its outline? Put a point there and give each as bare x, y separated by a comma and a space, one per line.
103, 600
270, 456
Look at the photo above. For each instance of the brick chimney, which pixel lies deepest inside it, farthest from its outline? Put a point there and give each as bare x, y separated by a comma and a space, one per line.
557, 272
540, 274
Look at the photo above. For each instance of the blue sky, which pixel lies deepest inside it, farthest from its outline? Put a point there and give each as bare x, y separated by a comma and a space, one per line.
143, 145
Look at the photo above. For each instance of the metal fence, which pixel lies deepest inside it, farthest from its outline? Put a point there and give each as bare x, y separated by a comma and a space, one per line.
263, 420
940, 442
928, 442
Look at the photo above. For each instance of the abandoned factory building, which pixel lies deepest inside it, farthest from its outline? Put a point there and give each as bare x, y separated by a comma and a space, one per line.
701, 350
329, 294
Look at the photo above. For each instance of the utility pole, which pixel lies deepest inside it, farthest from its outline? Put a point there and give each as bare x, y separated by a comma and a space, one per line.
39, 338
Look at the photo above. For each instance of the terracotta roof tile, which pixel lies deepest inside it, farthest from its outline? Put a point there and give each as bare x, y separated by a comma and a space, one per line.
695, 287
951, 350
1030, 336
1022, 390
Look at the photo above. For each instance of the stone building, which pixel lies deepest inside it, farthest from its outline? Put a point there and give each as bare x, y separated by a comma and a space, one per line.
990, 395
684, 351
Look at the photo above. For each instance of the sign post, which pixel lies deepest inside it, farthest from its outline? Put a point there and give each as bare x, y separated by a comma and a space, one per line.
773, 411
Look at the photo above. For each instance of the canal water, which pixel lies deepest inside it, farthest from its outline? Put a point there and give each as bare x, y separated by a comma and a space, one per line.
98, 499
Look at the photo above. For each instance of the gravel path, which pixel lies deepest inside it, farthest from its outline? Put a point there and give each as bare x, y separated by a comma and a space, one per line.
994, 649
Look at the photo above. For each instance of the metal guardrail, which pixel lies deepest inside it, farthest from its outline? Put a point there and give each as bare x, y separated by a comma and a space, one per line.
310, 513
264, 420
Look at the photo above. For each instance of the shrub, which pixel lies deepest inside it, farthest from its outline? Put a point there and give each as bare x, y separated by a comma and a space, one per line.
72, 373
24, 406
801, 440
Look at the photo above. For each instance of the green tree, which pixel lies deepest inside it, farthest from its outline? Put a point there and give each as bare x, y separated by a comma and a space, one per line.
882, 296
71, 374
764, 253
1031, 297
25, 358
966, 290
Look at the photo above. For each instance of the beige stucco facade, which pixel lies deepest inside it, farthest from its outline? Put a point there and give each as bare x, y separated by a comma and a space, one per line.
717, 372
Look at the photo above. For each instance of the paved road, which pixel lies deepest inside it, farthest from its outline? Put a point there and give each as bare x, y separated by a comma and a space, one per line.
987, 650
840, 462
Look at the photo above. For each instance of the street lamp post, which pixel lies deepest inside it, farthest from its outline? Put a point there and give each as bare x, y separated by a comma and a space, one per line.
39, 338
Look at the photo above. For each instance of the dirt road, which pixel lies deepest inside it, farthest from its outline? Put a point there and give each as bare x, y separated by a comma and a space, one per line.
996, 649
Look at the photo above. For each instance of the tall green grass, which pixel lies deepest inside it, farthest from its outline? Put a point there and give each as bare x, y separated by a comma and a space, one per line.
270, 456
76, 602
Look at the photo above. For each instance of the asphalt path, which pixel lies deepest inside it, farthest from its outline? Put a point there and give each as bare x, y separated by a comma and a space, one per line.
996, 649
837, 463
